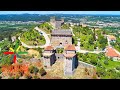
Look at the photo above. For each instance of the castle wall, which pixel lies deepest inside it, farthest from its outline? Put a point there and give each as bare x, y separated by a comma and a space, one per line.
56, 40
47, 61
48, 51
53, 23
71, 52
59, 56
85, 64
68, 65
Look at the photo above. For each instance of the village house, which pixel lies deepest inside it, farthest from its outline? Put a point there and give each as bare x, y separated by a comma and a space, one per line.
49, 56
56, 23
70, 60
111, 38
112, 53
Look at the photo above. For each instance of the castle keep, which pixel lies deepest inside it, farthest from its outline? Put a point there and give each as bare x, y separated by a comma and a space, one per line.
56, 23
61, 37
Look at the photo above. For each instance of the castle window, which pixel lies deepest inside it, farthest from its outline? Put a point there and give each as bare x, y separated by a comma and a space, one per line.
66, 42
60, 43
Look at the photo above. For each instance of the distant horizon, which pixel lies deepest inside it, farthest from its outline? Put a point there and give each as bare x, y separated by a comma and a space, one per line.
62, 12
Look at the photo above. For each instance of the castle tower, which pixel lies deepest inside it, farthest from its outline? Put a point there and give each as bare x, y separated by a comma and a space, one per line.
52, 19
48, 56
70, 61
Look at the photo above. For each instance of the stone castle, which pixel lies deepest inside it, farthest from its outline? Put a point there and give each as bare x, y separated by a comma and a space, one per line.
56, 23
61, 39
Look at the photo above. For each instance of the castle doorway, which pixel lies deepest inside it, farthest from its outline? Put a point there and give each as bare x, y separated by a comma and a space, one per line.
66, 42
60, 43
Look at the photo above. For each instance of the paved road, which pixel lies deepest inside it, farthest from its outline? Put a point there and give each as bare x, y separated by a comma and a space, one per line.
72, 31
42, 46
108, 40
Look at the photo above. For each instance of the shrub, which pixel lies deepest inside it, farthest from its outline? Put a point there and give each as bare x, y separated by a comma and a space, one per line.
118, 67
99, 64
42, 71
101, 72
12, 77
93, 61
17, 76
0, 70
0, 77
106, 62
28, 76
33, 69
20, 61
36, 77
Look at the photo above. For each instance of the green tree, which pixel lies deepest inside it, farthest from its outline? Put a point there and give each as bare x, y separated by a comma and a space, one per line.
42, 71
106, 62
33, 69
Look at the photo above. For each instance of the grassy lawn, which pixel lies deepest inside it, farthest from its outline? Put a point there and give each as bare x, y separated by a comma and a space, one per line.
111, 64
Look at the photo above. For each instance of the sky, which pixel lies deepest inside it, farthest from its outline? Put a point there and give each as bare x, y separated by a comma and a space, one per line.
62, 12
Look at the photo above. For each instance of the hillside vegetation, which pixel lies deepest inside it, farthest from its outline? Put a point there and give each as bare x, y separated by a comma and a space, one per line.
89, 38
106, 67
33, 37
46, 27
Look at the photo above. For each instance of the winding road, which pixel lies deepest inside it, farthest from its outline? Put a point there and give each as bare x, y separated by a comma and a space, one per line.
72, 31
41, 46
48, 43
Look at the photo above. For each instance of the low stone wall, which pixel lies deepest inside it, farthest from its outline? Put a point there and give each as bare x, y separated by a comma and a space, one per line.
85, 64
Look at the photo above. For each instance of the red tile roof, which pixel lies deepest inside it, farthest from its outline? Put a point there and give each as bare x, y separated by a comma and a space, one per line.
111, 37
111, 52
70, 47
48, 48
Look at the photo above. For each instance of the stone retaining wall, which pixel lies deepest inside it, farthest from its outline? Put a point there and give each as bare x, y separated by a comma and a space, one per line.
85, 64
